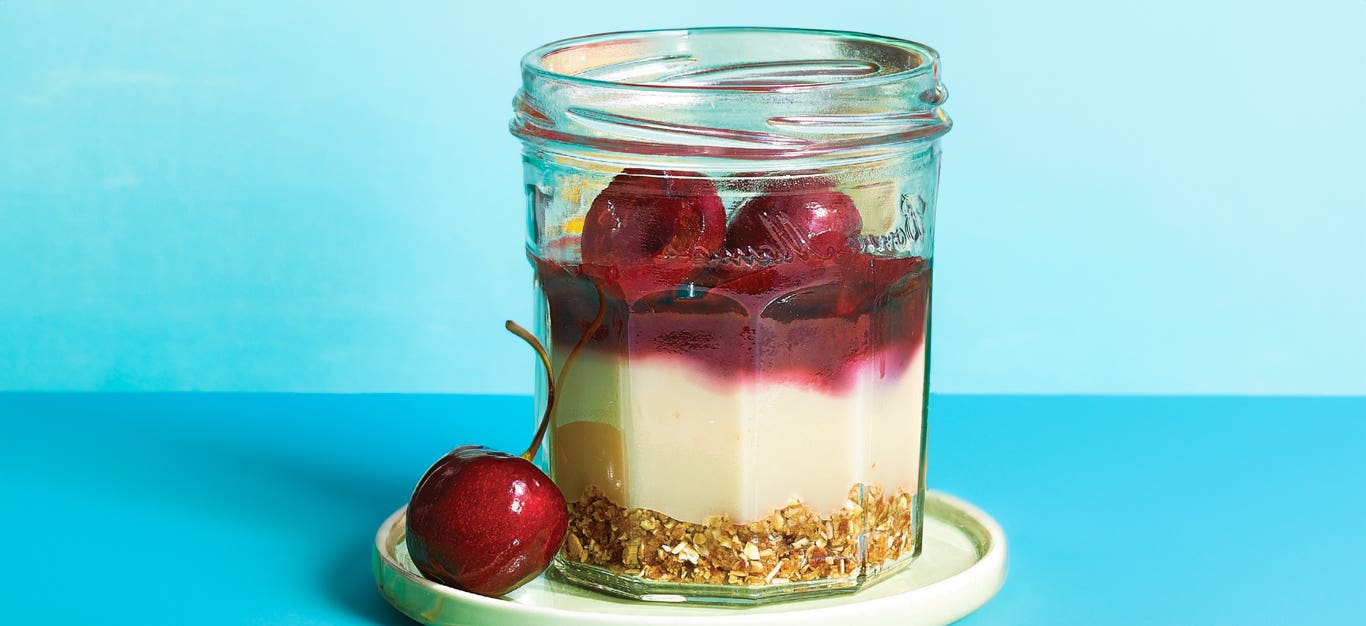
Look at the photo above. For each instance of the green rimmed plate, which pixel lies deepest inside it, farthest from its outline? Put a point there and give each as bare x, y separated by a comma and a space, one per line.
962, 565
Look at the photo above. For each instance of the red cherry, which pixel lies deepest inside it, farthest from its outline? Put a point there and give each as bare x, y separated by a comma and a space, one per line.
648, 229
488, 522
485, 521
810, 221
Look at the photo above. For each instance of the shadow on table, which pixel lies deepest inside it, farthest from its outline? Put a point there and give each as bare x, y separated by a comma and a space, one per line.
330, 501
353, 588
351, 503
309, 479
348, 503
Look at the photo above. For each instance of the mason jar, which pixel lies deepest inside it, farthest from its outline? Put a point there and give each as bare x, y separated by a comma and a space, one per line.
731, 231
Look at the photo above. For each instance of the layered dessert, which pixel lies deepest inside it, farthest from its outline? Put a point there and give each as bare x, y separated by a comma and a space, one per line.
742, 382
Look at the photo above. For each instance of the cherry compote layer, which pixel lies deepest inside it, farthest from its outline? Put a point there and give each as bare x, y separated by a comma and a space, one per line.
784, 292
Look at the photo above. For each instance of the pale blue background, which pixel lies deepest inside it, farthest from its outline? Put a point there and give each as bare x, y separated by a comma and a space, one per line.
1168, 197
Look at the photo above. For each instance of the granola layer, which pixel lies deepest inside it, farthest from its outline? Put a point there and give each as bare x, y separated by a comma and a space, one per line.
793, 544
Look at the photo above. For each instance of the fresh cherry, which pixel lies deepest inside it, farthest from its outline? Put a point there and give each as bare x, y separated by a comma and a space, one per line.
485, 521
646, 231
810, 221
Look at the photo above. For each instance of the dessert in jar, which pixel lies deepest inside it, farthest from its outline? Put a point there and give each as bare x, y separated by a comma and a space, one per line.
731, 231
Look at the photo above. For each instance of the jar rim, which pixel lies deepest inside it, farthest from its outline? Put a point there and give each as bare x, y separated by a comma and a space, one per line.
730, 93
533, 62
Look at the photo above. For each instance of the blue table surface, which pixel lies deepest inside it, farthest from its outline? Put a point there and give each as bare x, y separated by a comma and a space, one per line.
261, 509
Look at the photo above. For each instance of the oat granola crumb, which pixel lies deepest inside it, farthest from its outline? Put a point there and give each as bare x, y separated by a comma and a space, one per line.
793, 544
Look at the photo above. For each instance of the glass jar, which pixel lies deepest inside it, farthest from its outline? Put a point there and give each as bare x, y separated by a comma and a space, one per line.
731, 232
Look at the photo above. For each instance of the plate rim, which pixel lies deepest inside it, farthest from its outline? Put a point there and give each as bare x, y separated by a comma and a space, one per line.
992, 560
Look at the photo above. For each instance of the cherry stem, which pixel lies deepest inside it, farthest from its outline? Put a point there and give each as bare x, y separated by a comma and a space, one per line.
535, 344
549, 415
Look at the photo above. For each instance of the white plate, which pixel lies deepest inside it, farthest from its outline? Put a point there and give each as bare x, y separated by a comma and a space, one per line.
962, 565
